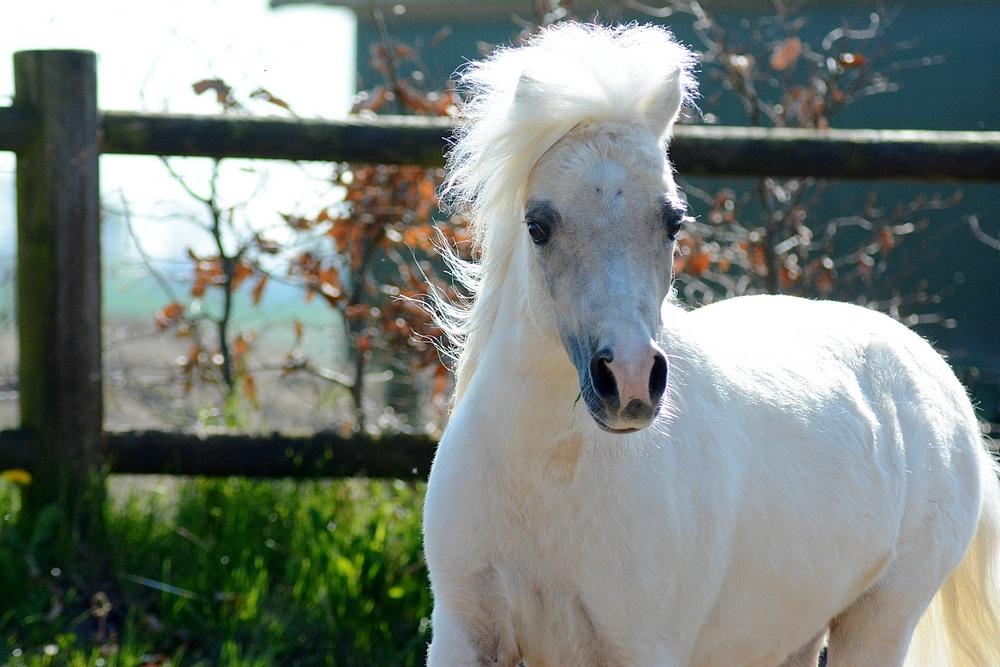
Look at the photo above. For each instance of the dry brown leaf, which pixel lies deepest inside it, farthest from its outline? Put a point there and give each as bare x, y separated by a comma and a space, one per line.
786, 53
168, 315
222, 90
258, 289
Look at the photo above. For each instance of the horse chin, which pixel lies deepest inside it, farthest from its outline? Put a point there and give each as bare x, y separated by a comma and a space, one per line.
621, 430
617, 431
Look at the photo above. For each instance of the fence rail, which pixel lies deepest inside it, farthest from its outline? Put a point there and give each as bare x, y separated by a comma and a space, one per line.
58, 133
323, 454
697, 150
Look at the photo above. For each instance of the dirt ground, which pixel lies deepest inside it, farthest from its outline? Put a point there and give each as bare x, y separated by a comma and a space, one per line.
145, 387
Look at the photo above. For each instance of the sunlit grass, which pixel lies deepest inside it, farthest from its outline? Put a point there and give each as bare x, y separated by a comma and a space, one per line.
230, 572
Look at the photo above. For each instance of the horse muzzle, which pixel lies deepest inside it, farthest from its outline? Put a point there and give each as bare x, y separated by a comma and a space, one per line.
623, 386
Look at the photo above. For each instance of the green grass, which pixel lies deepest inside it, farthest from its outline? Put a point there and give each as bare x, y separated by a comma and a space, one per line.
229, 572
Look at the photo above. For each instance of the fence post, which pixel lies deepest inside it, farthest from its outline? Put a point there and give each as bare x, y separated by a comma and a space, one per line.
59, 288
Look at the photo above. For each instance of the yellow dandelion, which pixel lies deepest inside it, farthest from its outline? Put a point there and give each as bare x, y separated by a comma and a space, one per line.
18, 476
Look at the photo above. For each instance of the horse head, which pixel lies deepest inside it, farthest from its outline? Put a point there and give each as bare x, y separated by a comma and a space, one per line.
600, 221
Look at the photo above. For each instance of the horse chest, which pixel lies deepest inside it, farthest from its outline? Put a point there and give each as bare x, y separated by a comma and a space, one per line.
560, 617
553, 625
568, 565
585, 564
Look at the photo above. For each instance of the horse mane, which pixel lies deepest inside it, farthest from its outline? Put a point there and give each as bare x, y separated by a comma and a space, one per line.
517, 104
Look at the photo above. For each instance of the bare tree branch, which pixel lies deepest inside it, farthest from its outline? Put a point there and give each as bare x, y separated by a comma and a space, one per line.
977, 231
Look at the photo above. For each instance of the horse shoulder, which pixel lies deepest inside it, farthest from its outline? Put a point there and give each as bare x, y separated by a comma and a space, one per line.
455, 505
471, 613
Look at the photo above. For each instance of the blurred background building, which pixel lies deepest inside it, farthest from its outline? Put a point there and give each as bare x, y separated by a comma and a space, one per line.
944, 78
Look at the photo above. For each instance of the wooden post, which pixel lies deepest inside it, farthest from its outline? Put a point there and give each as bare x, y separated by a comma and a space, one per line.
59, 287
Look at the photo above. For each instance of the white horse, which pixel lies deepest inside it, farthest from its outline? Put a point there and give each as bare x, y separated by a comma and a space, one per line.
800, 472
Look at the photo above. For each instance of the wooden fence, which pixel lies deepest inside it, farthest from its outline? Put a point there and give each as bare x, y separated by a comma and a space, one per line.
58, 133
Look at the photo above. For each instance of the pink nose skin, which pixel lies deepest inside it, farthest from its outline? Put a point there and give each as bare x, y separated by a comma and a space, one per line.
632, 368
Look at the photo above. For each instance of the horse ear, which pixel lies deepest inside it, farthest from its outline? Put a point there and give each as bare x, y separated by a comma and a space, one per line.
528, 89
662, 105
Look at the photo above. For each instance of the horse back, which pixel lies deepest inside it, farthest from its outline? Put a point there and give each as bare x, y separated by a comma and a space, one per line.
851, 440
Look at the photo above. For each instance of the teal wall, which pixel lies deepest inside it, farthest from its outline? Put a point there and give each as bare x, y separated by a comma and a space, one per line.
961, 93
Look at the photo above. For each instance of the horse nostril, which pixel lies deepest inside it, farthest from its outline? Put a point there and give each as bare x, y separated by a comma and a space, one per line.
602, 377
657, 378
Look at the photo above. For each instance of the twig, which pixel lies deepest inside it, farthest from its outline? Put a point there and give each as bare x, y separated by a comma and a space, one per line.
390, 57
182, 182
656, 12
977, 231
127, 215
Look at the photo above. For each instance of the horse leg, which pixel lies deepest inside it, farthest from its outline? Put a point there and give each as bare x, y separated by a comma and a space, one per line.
452, 644
875, 631
877, 628
808, 655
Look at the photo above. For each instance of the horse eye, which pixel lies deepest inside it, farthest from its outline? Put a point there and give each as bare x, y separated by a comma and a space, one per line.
539, 218
538, 231
674, 217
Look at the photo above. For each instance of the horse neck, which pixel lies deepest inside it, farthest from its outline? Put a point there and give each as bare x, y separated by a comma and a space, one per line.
518, 375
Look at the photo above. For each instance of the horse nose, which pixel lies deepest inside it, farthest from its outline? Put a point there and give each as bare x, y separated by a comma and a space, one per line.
633, 379
603, 378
